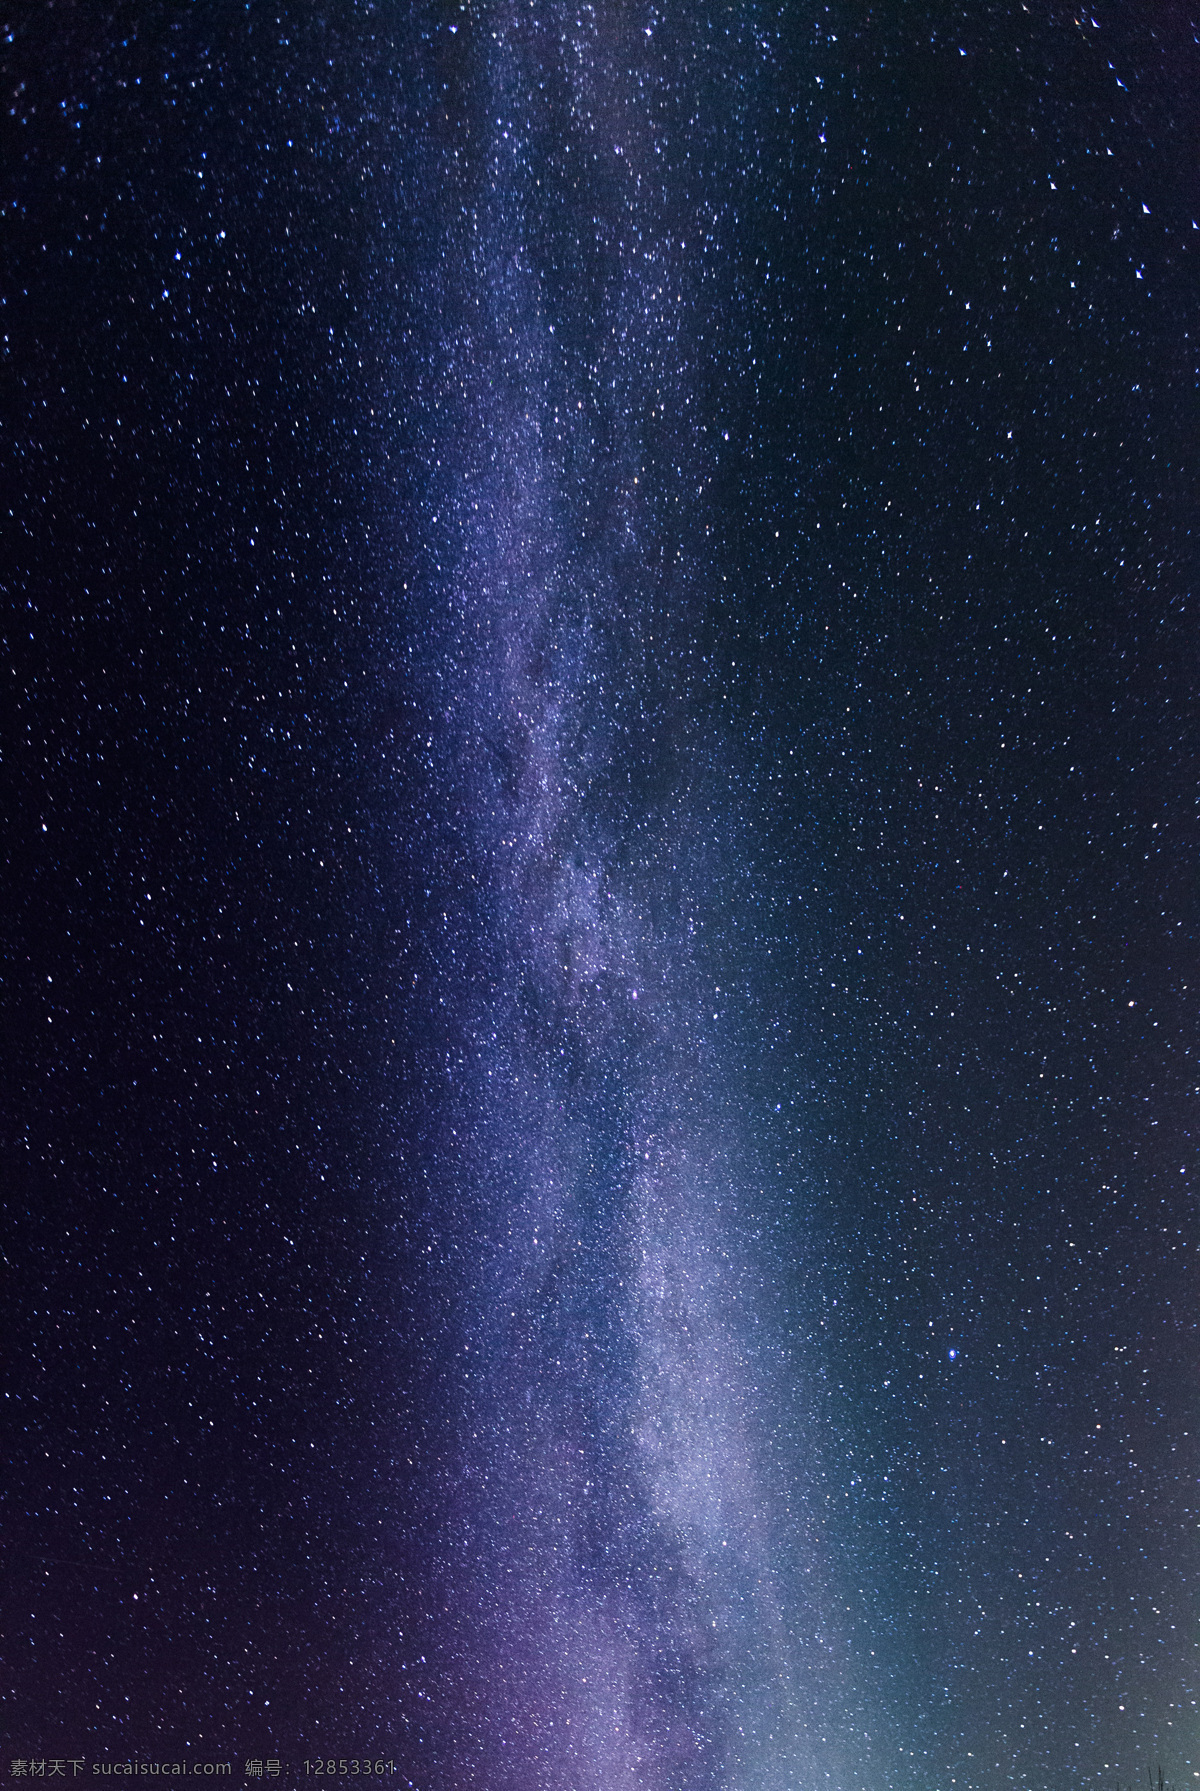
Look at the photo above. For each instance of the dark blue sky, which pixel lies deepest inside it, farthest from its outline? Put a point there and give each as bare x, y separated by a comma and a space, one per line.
599, 926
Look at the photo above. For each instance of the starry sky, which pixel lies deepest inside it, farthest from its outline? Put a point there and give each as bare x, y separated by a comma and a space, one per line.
598, 961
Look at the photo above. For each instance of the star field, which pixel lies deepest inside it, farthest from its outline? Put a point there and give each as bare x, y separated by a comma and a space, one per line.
599, 916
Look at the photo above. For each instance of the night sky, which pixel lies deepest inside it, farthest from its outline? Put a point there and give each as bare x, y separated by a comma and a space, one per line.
598, 973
